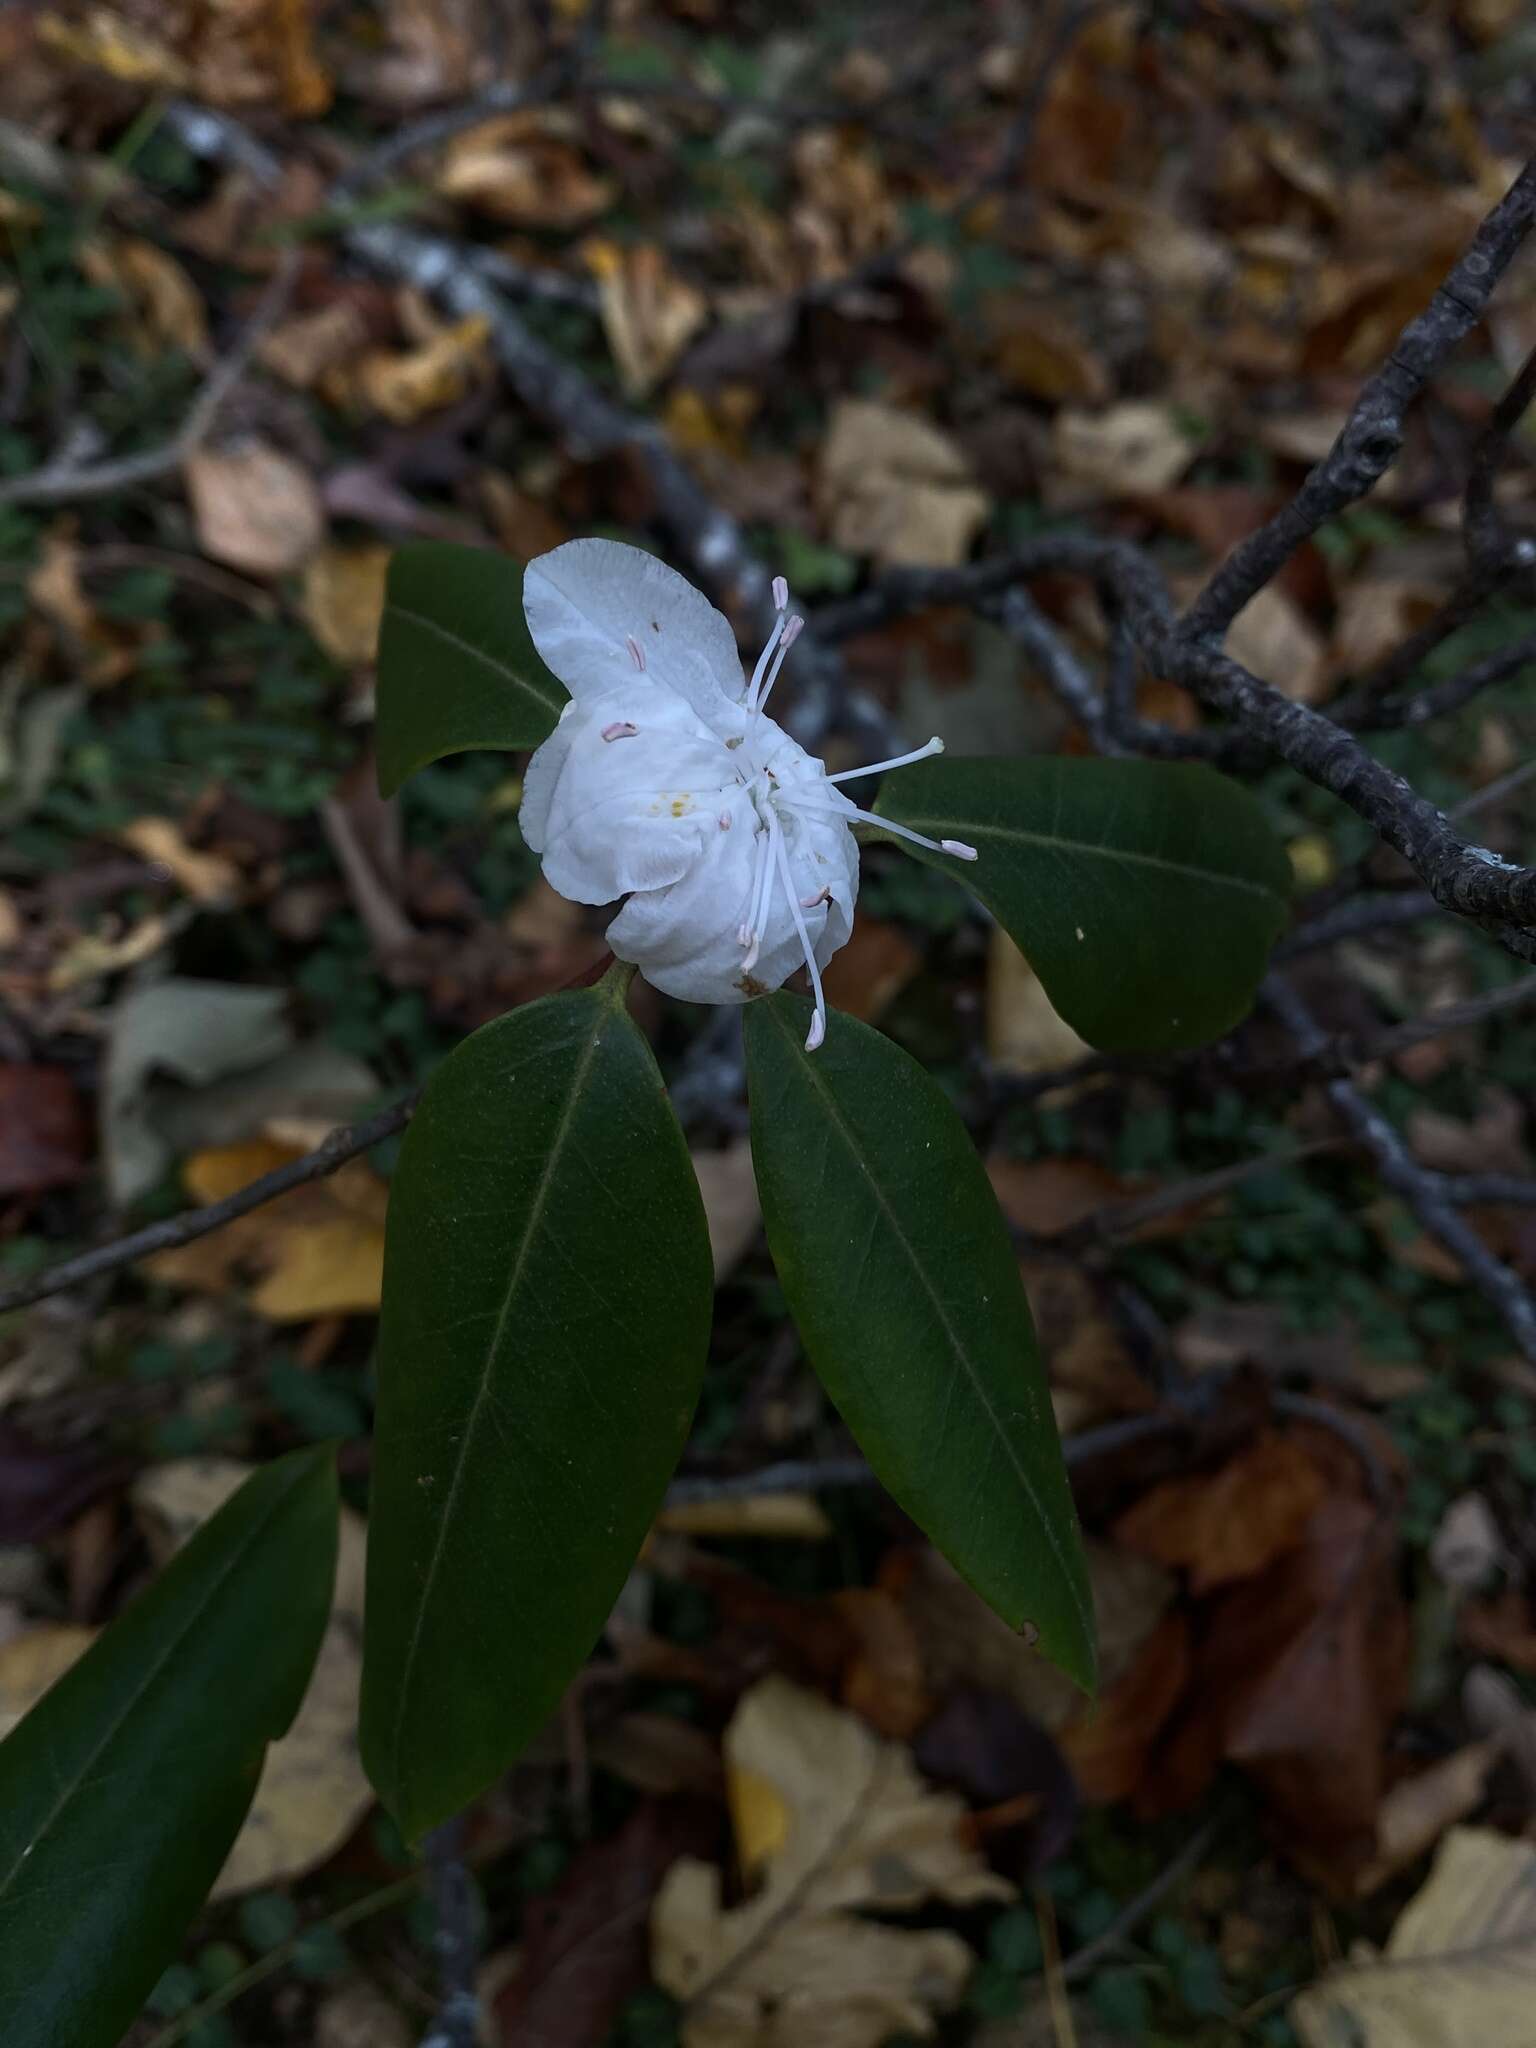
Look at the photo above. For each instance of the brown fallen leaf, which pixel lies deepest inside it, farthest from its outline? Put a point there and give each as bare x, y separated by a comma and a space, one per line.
1230, 1523
255, 508
1503, 1627
892, 485
731, 1206
1044, 1196
866, 976
303, 349
1297, 1677
1110, 1748
99, 654
1460, 1965
799, 1516
318, 1251
164, 298
45, 1135
1041, 350
521, 168
342, 599
831, 1824
100, 39
649, 313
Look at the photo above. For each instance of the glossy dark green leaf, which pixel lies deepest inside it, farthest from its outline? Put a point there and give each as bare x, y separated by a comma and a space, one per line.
899, 1271
457, 668
547, 1297
124, 1787
1145, 894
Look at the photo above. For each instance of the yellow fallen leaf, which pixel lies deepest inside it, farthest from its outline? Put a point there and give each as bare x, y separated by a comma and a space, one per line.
649, 313
343, 600
521, 168
317, 1251
206, 877
104, 41
402, 384
893, 486
98, 655
97, 953
162, 294
312, 1792
256, 509
835, 1823
1460, 1965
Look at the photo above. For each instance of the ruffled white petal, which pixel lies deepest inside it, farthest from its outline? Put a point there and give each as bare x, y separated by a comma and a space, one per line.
585, 602
634, 811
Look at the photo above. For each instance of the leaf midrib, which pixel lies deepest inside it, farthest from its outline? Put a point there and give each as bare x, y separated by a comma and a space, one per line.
501, 669
131, 1706
482, 1392
1089, 850
849, 1137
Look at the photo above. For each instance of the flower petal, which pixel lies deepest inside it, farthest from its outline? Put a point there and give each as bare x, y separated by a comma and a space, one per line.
632, 811
586, 601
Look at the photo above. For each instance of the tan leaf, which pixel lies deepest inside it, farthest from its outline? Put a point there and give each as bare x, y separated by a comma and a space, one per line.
731, 1207
1460, 1965
206, 877
893, 486
155, 284
1418, 1810
832, 1823
104, 41
303, 349
402, 384
343, 599
1133, 447
649, 313
318, 1251
312, 1792
518, 168
98, 655
109, 951
797, 1516
255, 508
1272, 636
1043, 351
1024, 1033
1376, 615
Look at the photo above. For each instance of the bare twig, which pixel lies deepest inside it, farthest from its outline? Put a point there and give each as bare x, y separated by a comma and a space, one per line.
336, 1150
1371, 438
1084, 1961
1423, 1190
66, 482
453, 1900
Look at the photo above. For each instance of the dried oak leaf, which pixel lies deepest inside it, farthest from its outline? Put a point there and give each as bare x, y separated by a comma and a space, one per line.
1234, 1522
649, 313
1460, 1964
256, 509
830, 1823
893, 486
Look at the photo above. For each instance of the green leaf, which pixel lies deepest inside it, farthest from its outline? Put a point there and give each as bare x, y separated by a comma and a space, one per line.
547, 1298
124, 1787
1145, 894
899, 1271
457, 666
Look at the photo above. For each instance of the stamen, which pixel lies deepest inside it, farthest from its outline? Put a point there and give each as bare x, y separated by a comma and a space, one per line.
822, 895
780, 594
934, 746
636, 651
751, 933
725, 821
818, 1030
957, 847
794, 625
762, 662
621, 729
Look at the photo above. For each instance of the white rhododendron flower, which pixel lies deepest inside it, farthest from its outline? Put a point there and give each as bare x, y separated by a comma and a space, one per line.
665, 783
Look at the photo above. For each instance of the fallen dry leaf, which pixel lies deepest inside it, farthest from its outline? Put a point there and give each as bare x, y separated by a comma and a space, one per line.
1503, 1627
731, 1206
1133, 447
865, 977
831, 1823
402, 384
1460, 1965
305, 348
1418, 1810
799, 1516
1467, 1548
1109, 1749
163, 296
99, 655
519, 168
103, 41
319, 1250
312, 1792
208, 878
343, 600
1273, 637
1231, 1523
1024, 1033
358, 2015
256, 509
649, 313
45, 1135
893, 486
